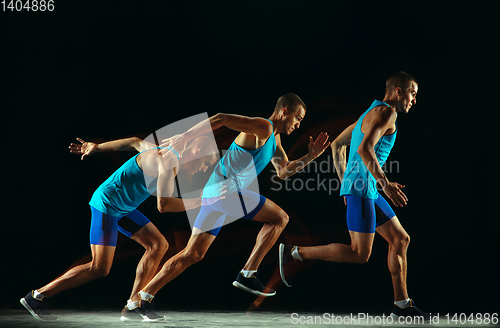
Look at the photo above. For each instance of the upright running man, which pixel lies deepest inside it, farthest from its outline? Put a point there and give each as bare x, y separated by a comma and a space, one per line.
371, 139
114, 208
258, 143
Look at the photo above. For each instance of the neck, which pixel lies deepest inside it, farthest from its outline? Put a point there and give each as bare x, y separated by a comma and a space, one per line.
391, 102
276, 123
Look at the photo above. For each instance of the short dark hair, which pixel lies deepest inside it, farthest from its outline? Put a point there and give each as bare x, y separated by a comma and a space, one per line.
290, 101
400, 79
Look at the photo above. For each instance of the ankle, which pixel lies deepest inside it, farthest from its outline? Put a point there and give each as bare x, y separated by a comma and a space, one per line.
145, 296
248, 273
403, 303
295, 253
37, 295
132, 305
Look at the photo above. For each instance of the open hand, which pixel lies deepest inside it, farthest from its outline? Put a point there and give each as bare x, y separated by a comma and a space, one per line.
210, 201
317, 147
177, 142
394, 192
85, 149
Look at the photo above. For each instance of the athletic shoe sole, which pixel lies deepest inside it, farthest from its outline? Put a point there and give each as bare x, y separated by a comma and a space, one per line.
282, 269
256, 292
28, 307
146, 319
32, 312
128, 319
142, 319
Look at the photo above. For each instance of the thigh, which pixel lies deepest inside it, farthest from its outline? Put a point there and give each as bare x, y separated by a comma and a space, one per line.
209, 220
360, 215
252, 203
362, 242
392, 231
270, 213
148, 236
132, 222
239, 204
102, 255
384, 210
232, 205
103, 228
199, 242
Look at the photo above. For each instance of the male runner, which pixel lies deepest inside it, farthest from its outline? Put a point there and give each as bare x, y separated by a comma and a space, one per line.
114, 208
371, 139
258, 143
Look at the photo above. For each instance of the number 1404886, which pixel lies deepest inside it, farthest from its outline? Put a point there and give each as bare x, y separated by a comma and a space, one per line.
28, 5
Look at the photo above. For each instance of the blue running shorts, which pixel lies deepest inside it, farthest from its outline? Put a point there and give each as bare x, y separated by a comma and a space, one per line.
104, 227
361, 214
211, 218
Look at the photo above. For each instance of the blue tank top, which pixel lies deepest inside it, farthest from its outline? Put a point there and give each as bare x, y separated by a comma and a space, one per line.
358, 181
239, 167
124, 190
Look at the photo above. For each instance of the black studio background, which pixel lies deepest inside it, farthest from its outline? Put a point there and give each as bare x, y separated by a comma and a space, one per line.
102, 70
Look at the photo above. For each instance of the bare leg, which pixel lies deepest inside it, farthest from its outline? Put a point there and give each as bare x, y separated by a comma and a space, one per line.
156, 246
275, 220
102, 259
358, 252
398, 240
194, 252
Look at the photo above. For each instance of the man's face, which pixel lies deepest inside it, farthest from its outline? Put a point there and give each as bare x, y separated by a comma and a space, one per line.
292, 120
407, 98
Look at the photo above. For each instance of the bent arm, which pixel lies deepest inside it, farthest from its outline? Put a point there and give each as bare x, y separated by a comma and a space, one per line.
339, 150
257, 126
375, 130
175, 205
165, 188
366, 150
285, 168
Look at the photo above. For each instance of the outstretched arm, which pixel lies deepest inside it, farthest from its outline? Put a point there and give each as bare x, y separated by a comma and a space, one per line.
285, 169
88, 148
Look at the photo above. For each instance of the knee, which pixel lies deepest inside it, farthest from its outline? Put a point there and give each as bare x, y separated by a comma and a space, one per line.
159, 246
407, 240
362, 255
403, 242
282, 219
193, 256
99, 270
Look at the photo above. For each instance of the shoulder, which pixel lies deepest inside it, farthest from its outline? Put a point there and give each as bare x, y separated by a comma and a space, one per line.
153, 163
384, 114
264, 122
264, 126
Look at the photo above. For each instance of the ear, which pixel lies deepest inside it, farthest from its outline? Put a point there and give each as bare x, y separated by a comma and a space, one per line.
284, 111
195, 151
398, 91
